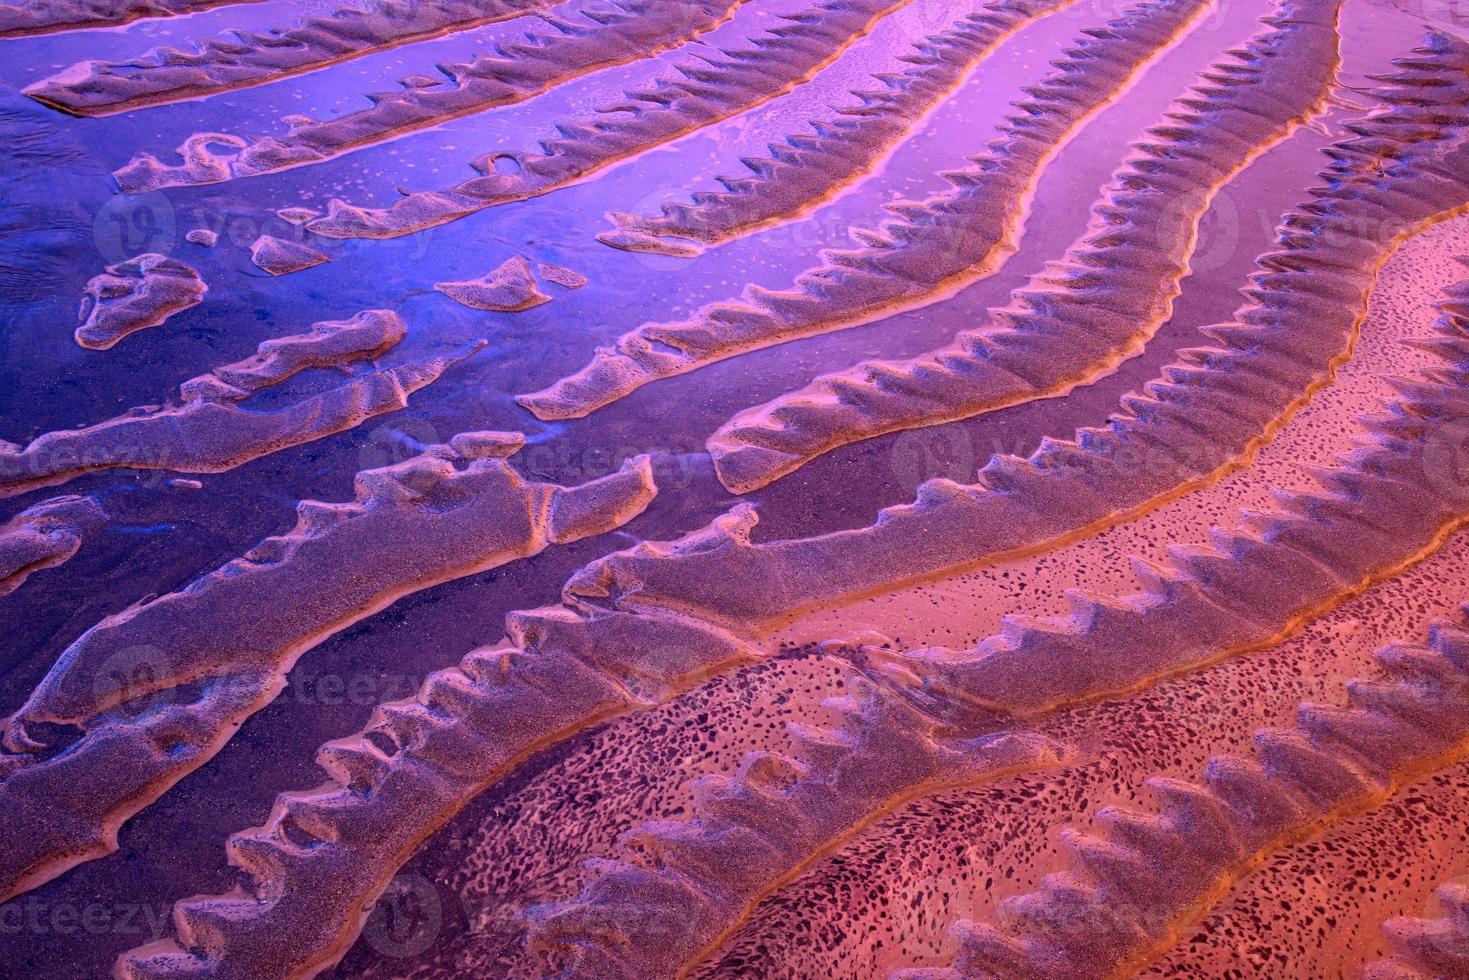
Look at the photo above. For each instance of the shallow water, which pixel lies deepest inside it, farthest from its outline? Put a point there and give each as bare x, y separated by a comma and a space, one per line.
875, 888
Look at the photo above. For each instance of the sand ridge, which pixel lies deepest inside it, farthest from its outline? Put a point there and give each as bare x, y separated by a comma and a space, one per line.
604, 35
45, 535
207, 430
134, 295
691, 760
26, 19
810, 167
455, 510
701, 91
962, 234
1204, 414
1094, 307
222, 64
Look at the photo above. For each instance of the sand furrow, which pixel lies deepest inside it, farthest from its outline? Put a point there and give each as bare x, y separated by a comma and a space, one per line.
813, 166
680, 885
1388, 502
324, 857
25, 19
1129, 894
508, 288
1405, 169
959, 235
712, 756
222, 64
702, 91
605, 34
208, 430
150, 694
1101, 303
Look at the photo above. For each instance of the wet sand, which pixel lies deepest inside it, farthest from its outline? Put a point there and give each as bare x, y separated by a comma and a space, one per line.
520, 561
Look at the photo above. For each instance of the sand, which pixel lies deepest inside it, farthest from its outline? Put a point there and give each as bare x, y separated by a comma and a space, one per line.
1015, 528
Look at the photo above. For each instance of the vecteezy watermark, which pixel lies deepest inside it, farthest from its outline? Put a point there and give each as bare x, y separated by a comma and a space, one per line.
132, 224
407, 918
397, 441
31, 915
952, 452
1433, 906
1215, 231
944, 451
919, 19
650, 206
135, 680
1446, 459
366, 688
674, 465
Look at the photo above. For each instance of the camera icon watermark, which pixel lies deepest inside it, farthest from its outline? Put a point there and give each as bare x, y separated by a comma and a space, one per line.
132, 224
407, 919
